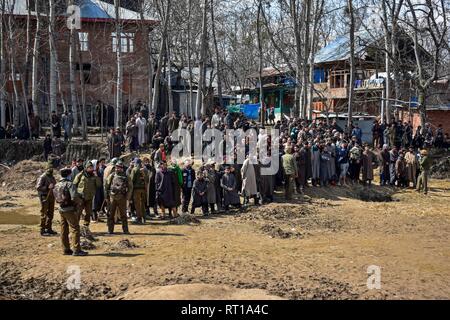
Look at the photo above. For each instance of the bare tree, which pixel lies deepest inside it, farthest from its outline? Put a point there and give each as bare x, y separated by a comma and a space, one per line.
2, 68
53, 60
200, 107
260, 62
119, 70
351, 87
35, 61
217, 56
164, 14
431, 27
73, 92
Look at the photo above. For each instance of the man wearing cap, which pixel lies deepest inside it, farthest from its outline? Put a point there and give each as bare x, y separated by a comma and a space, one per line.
230, 194
70, 221
79, 167
86, 184
211, 176
424, 165
411, 167
44, 186
138, 181
160, 155
188, 182
117, 191
114, 144
290, 172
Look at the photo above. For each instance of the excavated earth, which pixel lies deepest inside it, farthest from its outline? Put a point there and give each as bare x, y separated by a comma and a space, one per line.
319, 246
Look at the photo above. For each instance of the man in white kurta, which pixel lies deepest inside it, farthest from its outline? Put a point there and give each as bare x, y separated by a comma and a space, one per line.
141, 123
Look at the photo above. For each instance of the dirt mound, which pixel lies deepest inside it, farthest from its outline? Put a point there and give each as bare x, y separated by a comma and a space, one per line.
123, 244
185, 218
197, 291
14, 287
441, 168
374, 195
87, 234
276, 232
87, 245
279, 211
23, 175
12, 151
9, 205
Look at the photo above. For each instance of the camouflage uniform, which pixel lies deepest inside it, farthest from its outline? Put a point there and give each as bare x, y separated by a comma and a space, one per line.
86, 187
117, 191
46, 198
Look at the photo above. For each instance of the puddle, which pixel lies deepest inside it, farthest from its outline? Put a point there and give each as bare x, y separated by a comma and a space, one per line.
17, 217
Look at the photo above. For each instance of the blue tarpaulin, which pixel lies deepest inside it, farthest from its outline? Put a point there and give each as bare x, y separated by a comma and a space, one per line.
250, 111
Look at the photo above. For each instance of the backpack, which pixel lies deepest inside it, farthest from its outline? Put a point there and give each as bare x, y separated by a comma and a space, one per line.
62, 194
139, 179
119, 185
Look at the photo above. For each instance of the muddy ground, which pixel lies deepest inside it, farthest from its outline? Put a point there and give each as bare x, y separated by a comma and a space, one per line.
318, 247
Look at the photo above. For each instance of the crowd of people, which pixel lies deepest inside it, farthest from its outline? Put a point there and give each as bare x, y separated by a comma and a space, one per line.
153, 185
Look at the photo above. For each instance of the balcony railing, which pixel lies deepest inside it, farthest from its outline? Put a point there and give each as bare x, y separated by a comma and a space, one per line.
369, 84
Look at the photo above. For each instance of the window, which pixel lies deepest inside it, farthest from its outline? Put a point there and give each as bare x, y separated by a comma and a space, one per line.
320, 75
339, 78
86, 72
126, 42
83, 37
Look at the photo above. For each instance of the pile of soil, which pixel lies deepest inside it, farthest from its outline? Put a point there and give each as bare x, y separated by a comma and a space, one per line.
14, 287
12, 151
441, 168
278, 219
87, 234
200, 291
87, 245
276, 232
185, 218
279, 211
23, 175
374, 195
9, 205
124, 245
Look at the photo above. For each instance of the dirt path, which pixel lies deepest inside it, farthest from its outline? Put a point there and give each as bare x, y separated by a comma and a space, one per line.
317, 248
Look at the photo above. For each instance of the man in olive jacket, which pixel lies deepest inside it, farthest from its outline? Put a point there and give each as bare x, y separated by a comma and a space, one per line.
290, 172
86, 184
424, 164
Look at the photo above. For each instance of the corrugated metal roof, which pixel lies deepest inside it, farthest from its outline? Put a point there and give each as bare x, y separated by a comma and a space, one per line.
90, 9
339, 49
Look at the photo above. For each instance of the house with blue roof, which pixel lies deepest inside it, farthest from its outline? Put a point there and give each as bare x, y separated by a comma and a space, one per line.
331, 77
95, 58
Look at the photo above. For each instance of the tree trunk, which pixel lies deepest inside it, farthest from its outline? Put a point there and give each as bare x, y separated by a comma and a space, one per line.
119, 70
83, 96
189, 59
306, 49
200, 107
216, 49
422, 106
151, 71
73, 93
16, 119
52, 83
169, 77
162, 47
2, 68
352, 64
35, 63
260, 63
298, 57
